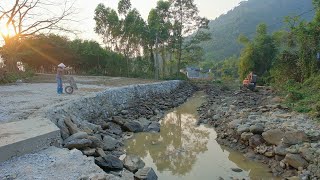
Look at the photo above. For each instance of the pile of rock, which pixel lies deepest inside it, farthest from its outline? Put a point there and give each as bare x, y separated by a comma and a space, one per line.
249, 122
98, 125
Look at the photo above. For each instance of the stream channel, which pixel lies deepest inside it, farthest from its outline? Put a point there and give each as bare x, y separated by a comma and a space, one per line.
185, 151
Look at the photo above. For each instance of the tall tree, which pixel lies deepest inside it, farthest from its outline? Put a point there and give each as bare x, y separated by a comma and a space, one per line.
159, 27
258, 54
186, 19
124, 7
108, 25
125, 34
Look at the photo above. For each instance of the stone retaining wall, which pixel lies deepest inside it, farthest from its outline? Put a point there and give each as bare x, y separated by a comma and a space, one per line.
98, 124
86, 111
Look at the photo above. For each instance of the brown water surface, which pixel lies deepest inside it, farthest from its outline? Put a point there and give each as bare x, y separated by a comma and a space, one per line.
184, 151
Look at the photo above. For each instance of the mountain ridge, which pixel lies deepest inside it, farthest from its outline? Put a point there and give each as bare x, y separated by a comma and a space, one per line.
244, 18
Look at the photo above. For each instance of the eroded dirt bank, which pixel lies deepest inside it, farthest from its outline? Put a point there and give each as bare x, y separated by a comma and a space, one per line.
257, 125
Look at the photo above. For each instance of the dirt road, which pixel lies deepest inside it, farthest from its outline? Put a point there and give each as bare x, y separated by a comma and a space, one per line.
19, 101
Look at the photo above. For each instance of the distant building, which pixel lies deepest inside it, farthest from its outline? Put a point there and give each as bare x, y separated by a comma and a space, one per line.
197, 73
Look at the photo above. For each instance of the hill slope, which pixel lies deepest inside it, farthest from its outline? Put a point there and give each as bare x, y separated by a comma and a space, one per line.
244, 19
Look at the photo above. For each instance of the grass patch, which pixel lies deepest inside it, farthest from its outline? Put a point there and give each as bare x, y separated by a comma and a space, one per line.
11, 77
303, 97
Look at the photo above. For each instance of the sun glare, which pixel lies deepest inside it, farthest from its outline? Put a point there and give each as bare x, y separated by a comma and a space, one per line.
4, 30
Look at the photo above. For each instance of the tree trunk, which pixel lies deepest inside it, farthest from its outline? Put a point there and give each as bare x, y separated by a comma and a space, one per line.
180, 39
179, 55
152, 60
11, 64
163, 63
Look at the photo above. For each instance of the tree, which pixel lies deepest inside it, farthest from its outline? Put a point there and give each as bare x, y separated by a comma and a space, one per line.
124, 6
258, 54
186, 20
124, 35
159, 27
27, 18
108, 26
193, 53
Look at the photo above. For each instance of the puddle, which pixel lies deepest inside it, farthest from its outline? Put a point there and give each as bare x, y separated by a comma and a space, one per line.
184, 151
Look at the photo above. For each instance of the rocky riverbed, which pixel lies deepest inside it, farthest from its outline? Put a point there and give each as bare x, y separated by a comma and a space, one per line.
257, 125
97, 125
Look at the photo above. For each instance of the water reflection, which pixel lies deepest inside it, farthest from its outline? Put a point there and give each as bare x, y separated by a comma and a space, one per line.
177, 146
184, 151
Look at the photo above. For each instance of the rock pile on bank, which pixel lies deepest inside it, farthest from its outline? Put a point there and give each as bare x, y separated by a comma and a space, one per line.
98, 125
255, 124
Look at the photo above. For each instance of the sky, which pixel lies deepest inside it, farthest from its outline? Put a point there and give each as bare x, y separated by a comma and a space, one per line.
208, 8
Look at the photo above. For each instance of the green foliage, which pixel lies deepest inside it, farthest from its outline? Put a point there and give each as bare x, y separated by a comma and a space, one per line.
124, 6
186, 18
226, 70
161, 37
11, 77
44, 52
303, 97
258, 54
243, 19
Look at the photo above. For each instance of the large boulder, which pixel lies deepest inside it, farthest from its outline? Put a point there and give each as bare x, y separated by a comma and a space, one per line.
154, 127
246, 136
243, 128
73, 128
233, 124
63, 129
294, 137
78, 144
144, 123
133, 163
256, 140
296, 161
280, 150
127, 175
109, 162
146, 173
110, 143
96, 142
114, 128
118, 120
133, 126
78, 135
273, 136
89, 152
257, 128
308, 154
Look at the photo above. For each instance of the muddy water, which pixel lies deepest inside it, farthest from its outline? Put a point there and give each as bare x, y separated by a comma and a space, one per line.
184, 151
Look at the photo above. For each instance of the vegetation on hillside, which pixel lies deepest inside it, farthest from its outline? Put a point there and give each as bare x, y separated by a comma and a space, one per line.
288, 61
245, 18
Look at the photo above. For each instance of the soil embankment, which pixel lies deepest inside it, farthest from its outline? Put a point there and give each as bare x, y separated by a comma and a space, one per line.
255, 124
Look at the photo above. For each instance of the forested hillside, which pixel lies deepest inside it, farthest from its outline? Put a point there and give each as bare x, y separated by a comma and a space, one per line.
244, 19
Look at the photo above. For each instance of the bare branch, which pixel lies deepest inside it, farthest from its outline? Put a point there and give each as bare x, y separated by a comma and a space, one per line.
29, 17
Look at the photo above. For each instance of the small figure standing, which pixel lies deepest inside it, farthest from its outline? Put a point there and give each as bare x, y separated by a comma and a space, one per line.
59, 78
